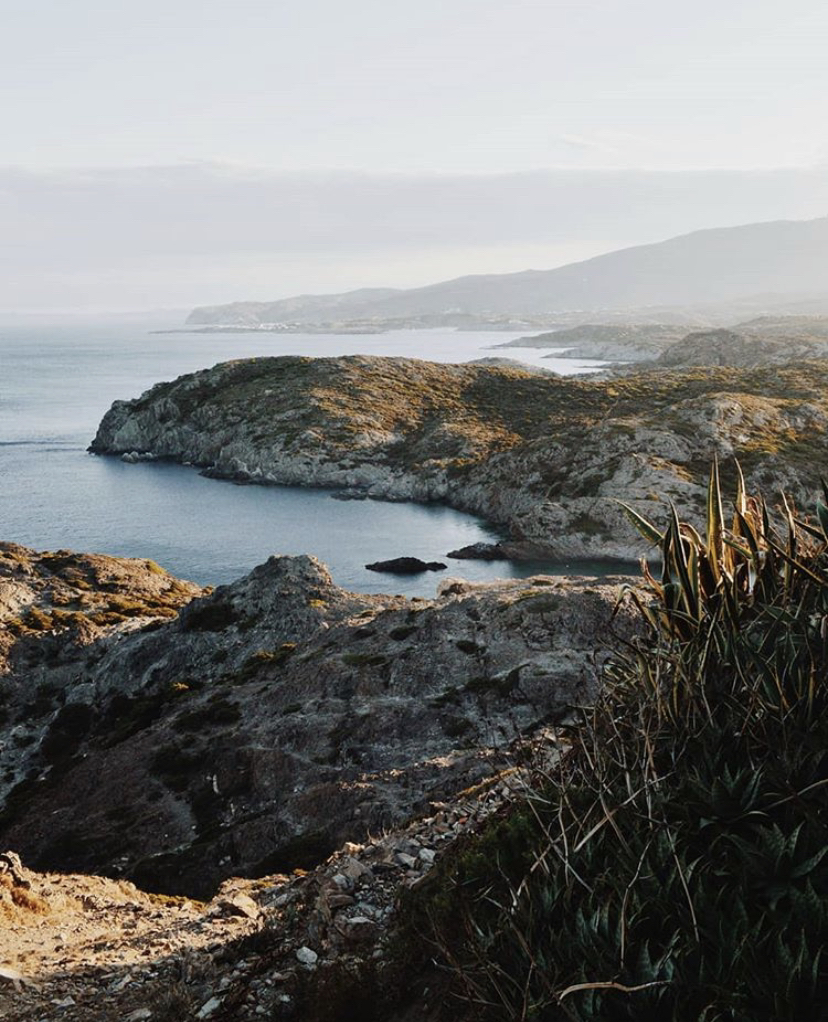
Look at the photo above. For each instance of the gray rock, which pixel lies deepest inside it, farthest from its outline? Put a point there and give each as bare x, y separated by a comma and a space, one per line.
307, 957
280, 716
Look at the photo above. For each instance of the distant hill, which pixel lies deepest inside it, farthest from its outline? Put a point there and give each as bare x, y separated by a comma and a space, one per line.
766, 265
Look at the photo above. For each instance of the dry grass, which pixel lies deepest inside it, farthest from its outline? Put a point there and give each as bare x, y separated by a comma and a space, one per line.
16, 900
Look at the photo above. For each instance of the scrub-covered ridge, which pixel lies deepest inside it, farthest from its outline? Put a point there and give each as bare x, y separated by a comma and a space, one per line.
546, 458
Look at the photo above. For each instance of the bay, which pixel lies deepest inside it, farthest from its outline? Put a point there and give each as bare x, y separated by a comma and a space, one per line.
57, 379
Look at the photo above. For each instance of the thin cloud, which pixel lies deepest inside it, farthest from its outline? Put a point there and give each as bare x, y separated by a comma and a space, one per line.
209, 232
579, 142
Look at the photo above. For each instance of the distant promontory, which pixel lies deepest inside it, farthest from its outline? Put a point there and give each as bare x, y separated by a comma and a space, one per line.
711, 278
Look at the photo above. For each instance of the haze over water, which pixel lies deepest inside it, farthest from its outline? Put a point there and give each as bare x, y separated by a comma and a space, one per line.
56, 382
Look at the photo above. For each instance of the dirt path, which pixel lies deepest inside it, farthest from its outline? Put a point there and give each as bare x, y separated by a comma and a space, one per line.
86, 948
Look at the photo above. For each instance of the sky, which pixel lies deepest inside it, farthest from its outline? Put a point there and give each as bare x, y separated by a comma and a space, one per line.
203, 151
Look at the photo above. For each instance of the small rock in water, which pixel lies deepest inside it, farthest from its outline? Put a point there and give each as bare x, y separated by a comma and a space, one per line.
479, 552
406, 566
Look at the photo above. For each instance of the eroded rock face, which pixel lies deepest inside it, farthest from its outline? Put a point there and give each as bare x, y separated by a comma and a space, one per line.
547, 458
279, 716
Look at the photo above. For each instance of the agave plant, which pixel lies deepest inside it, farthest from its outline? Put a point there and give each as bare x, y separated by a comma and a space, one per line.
672, 865
751, 595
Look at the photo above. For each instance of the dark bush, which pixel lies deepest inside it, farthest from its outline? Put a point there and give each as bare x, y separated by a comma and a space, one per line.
673, 864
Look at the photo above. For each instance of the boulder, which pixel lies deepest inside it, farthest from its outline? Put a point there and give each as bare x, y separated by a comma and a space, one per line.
479, 552
406, 566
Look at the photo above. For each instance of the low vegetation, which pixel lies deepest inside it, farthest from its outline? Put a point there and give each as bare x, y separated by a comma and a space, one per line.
673, 863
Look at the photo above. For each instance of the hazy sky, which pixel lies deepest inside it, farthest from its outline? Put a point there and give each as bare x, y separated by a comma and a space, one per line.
201, 150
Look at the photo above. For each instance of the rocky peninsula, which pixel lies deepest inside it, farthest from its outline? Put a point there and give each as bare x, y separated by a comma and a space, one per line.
305, 757
545, 458
759, 341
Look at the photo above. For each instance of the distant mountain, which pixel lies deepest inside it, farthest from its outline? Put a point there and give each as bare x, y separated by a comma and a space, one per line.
765, 264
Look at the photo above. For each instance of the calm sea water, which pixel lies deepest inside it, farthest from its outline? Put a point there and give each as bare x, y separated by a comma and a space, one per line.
56, 382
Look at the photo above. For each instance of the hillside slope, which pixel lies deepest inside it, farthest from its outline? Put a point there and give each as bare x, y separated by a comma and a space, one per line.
275, 718
776, 260
547, 458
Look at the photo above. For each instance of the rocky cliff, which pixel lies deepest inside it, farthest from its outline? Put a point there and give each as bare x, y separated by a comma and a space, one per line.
275, 718
626, 342
741, 349
546, 458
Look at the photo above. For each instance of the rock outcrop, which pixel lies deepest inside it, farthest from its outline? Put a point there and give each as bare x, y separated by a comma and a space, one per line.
406, 566
762, 341
626, 342
277, 717
546, 458
52, 603
741, 350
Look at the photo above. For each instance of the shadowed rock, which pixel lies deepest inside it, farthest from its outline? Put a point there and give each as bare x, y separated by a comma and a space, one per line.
479, 552
406, 566
277, 717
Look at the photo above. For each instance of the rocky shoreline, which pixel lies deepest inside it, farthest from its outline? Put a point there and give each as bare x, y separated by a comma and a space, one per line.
546, 459
299, 756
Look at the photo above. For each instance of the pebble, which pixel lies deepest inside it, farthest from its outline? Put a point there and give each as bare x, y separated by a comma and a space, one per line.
306, 956
209, 1007
354, 869
282, 899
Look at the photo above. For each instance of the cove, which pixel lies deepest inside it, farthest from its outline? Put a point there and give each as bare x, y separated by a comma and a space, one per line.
57, 382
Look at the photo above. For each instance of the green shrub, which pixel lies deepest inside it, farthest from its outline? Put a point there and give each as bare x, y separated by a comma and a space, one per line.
364, 659
673, 864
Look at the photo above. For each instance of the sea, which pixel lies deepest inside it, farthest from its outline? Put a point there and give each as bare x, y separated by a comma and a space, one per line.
58, 378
